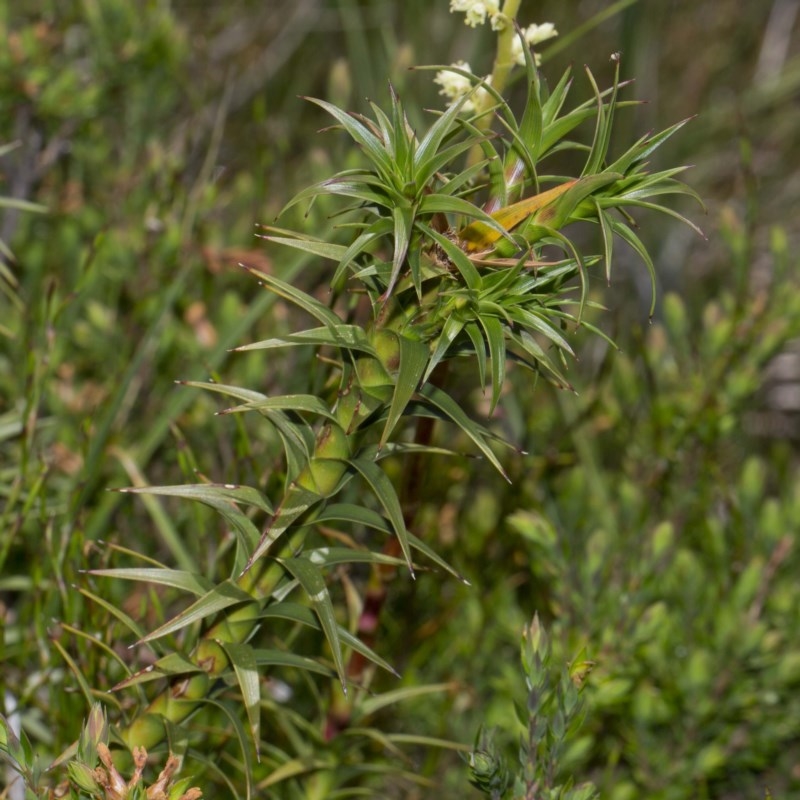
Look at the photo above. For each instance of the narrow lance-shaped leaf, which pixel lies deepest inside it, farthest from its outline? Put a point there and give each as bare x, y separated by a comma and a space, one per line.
295, 504
602, 134
608, 237
241, 736
449, 204
297, 439
558, 213
624, 232
298, 297
332, 556
453, 411
644, 147
347, 512
479, 348
389, 132
495, 339
222, 596
461, 261
169, 665
347, 337
312, 580
372, 146
432, 141
115, 612
662, 210
294, 612
222, 498
308, 403
413, 358
403, 219
450, 330
197, 585
386, 494
353, 183
373, 233
243, 658
316, 247
271, 657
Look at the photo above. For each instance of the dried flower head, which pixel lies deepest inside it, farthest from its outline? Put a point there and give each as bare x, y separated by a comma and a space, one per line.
110, 785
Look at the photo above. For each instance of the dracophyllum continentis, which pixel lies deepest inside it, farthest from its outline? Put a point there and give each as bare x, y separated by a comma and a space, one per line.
446, 258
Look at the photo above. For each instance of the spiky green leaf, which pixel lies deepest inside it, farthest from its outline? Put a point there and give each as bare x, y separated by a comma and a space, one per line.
222, 596
413, 358
197, 585
245, 666
385, 492
453, 411
311, 578
294, 612
295, 504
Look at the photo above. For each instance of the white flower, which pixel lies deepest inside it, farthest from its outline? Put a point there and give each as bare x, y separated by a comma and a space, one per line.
476, 10
499, 21
481, 98
455, 86
534, 34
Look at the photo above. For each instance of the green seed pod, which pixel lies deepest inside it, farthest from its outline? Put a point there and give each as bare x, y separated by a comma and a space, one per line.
175, 705
146, 730
333, 443
372, 374
375, 375
322, 476
328, 464
387, 346
348, 403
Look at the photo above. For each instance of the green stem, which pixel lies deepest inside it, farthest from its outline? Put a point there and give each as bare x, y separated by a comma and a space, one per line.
503, 64
504, 60
335, 443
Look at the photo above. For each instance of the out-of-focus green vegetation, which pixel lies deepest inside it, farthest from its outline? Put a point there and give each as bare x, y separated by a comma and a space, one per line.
654, 521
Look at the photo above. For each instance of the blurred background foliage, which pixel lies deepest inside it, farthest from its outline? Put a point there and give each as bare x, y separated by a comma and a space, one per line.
654, 522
